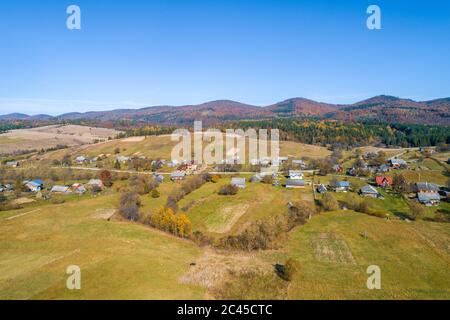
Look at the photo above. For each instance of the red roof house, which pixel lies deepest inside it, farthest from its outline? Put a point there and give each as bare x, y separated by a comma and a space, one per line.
384, 181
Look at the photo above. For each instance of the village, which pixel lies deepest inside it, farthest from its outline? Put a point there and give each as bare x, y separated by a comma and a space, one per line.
286, 172
229, 210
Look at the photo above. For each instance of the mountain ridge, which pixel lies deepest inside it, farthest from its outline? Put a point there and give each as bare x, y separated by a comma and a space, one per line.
380, 108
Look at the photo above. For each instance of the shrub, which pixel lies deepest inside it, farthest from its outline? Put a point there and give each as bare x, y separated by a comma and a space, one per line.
329, 202
299, 213
106, 178
155, 193
129, 205
352, 201
290, 270
165, 219
417, 210
215, 178
267, 179
228, 190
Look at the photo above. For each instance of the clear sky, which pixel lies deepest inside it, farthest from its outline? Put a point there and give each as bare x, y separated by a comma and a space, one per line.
143, 53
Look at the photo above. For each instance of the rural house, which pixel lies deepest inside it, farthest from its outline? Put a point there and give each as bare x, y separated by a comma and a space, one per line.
429, 198
256, 178
398, 163
428, 193
383, 168
159, 178
122, 159
295, 183
300, 163
96, 183
427, 187
13, 164
35, 185
177, 175
238, 182
340, 186
80, 159
60, 189
321, 189
369, 191
78, 188
295, 174
383, 181
338, 168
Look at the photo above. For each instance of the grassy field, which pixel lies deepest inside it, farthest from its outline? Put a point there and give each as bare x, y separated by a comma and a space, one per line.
118, 260
51, 136
414, 258
217, 214
123, 260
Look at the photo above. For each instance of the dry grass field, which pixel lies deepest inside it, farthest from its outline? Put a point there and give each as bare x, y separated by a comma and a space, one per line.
51, 136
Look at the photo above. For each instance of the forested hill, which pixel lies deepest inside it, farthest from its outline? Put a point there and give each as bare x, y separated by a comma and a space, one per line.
380, 108
352, 134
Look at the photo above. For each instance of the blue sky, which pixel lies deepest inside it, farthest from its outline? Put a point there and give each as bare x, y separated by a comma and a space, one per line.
142, 53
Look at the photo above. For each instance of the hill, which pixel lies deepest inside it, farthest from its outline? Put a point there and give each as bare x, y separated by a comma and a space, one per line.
380, 108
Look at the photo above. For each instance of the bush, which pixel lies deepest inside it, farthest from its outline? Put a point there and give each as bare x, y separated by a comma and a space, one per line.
143, 184
106, 178
129, 205
290, 270
352, 201
200, 238
299, 213
228, 190
329, 202
155, 193
417, 210
267, 179
166, 220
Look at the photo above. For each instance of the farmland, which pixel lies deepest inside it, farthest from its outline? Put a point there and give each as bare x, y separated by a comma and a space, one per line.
51, 136
121, 259
126, 260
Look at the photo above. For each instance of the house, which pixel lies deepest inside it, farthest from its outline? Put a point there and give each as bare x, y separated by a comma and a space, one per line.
398, 163
122, 159
34, 185
352, 171
426, 187
177, 175
60, 189
78, 188
428, 193
80, 159
383, 168
13, 164
369, 191
340, 186
295, 183
173, 163
295, 174
321, 189
270, 171
429, 198
96, 183
158, 177
254, 162
256, 178
338, 168
299, 162
383, 181
238, 182
279, 161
